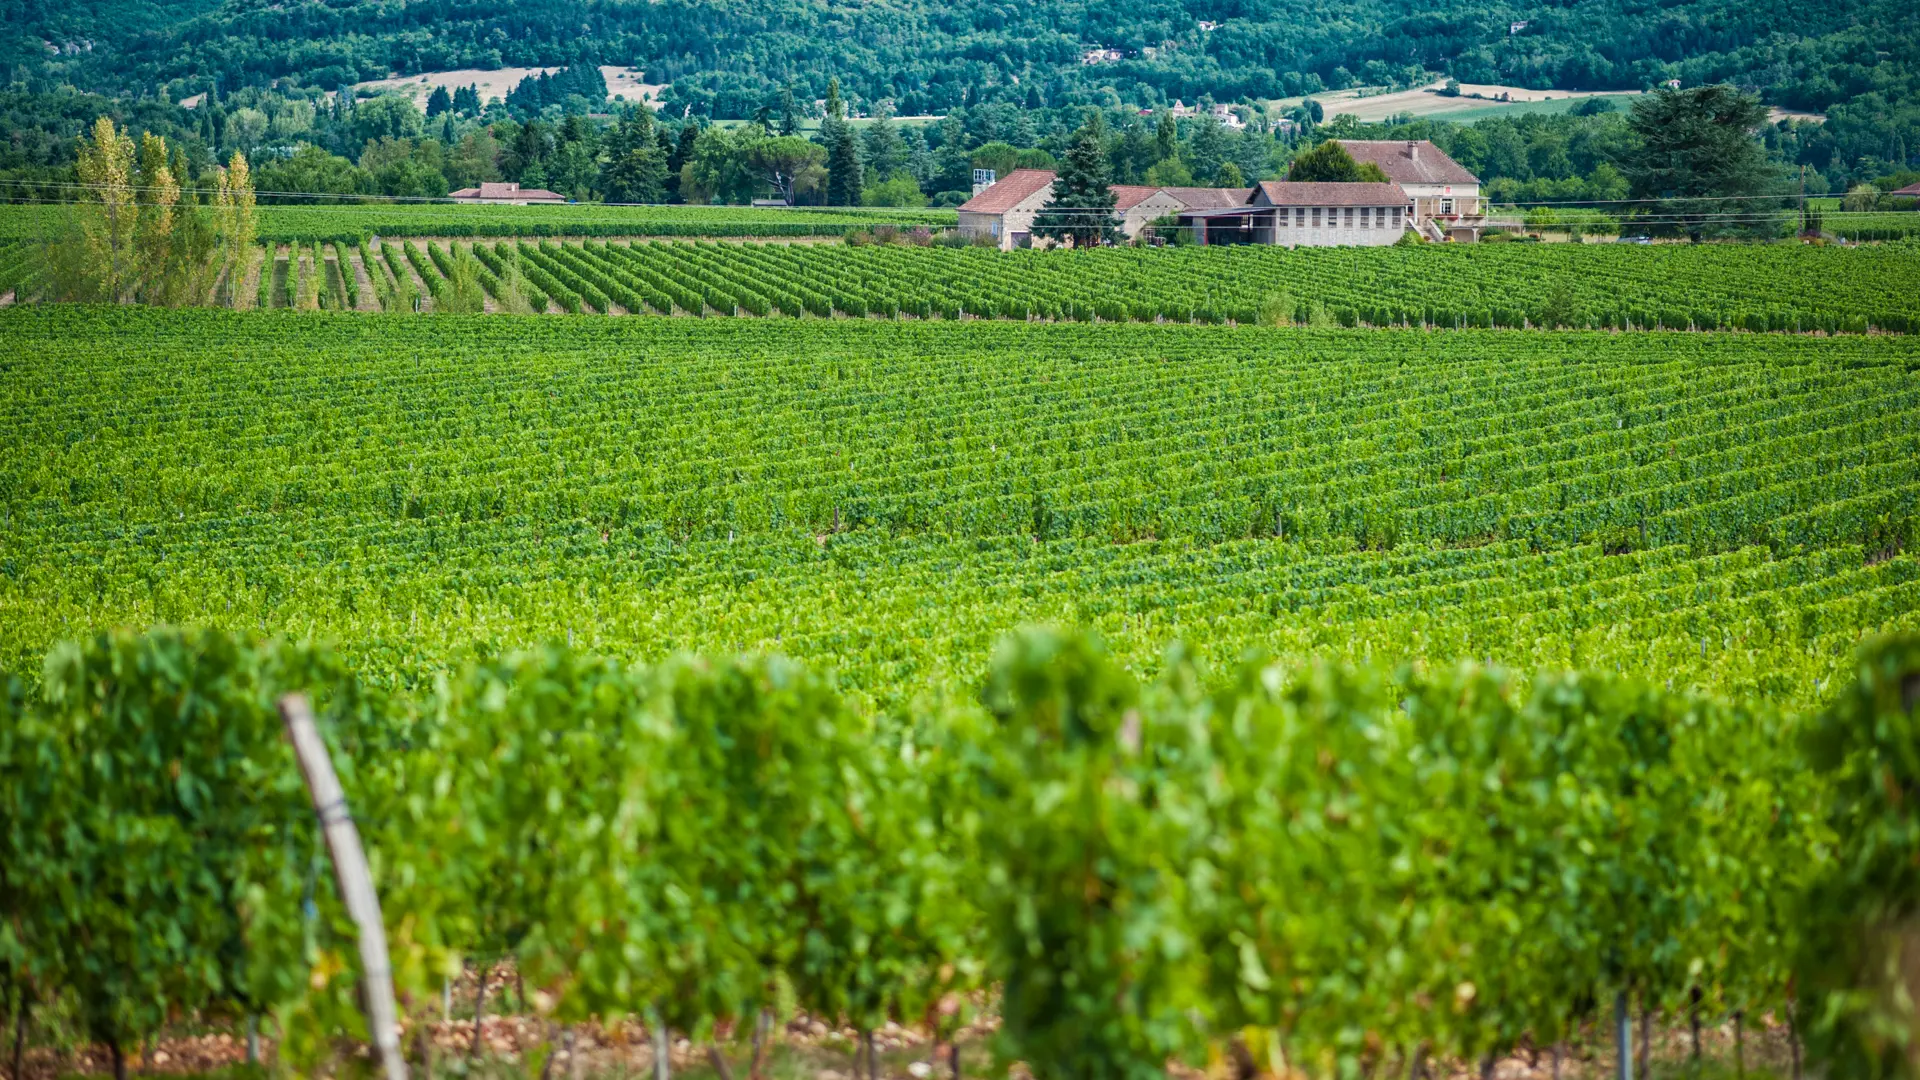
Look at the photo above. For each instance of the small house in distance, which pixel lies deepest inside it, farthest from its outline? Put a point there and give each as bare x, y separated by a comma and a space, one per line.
1306, 215
505, 195
1004, 209
1445, 196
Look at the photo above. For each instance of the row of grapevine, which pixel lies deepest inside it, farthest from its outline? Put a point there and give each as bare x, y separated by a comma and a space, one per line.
1600, 287
352, 223
1795, 290
1323, 869
1732, 512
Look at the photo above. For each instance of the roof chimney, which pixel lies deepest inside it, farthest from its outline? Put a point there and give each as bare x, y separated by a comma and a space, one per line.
1413, 150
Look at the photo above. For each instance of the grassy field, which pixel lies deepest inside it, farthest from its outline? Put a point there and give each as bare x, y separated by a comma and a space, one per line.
1476, 102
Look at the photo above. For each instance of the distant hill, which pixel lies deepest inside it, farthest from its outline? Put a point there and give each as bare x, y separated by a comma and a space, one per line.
726, 59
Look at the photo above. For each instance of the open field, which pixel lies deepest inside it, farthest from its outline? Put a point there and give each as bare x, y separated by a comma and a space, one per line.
622, 81
1476, 101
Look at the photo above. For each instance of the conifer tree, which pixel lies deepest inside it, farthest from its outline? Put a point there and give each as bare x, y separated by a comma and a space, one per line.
1081, 208
886, 151
843, 153
789, 112
1698, 156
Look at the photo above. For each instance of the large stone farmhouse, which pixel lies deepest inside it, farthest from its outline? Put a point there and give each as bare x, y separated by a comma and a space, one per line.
1306, 215
1426, 191
1445, 197
1004, 210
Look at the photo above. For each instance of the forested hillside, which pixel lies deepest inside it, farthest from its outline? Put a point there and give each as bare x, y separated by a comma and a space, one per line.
727, 59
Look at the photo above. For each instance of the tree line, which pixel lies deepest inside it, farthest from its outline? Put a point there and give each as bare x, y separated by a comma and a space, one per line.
137, 234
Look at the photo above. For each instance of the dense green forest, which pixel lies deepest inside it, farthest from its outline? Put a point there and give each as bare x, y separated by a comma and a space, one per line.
385, 146
1008, 79
725, 59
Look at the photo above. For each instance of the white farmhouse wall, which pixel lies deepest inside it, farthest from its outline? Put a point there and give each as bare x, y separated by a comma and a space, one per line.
1337, 235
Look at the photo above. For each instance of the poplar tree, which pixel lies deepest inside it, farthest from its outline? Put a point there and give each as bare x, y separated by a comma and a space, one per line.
233, 196
105, 168
153, 224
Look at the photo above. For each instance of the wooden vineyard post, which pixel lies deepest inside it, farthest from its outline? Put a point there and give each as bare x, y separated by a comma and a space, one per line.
356, 881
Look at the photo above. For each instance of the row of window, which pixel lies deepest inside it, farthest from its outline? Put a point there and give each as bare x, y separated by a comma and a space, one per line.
1370, 217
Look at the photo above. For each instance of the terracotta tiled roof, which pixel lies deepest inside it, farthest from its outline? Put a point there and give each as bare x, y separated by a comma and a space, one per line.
1409, 162
507, 193
1283, 193
1127, 196
1910, 189
1009, 191
1201, 198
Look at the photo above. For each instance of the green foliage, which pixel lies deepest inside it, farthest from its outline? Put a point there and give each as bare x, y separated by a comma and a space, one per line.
1698, 165
1730, 511
1089, 850
1321, 865
1586, 286
158, 835
1856, 971
1330, 162
1080, 208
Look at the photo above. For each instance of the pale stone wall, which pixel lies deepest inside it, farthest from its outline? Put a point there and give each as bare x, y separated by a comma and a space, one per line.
1340, 226
1153, 207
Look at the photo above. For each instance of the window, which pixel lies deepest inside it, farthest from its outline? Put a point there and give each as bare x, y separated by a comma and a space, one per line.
1396, 217
1282, 218
1446, 206
1316, 217
1349, 217
1300, 216
1366, 217
994, 230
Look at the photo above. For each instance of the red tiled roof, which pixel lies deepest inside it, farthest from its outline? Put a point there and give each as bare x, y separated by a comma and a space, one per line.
507, 193
1284, 193
1127, 196
1199, 198
1425, 163
1009, 191
1910, 189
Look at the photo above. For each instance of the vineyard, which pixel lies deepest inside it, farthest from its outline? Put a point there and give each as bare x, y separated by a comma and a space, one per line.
352, 223
1617, 287
1730, 511
678, 663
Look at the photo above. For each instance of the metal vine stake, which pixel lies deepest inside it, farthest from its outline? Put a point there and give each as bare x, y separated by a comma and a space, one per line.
356, 881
